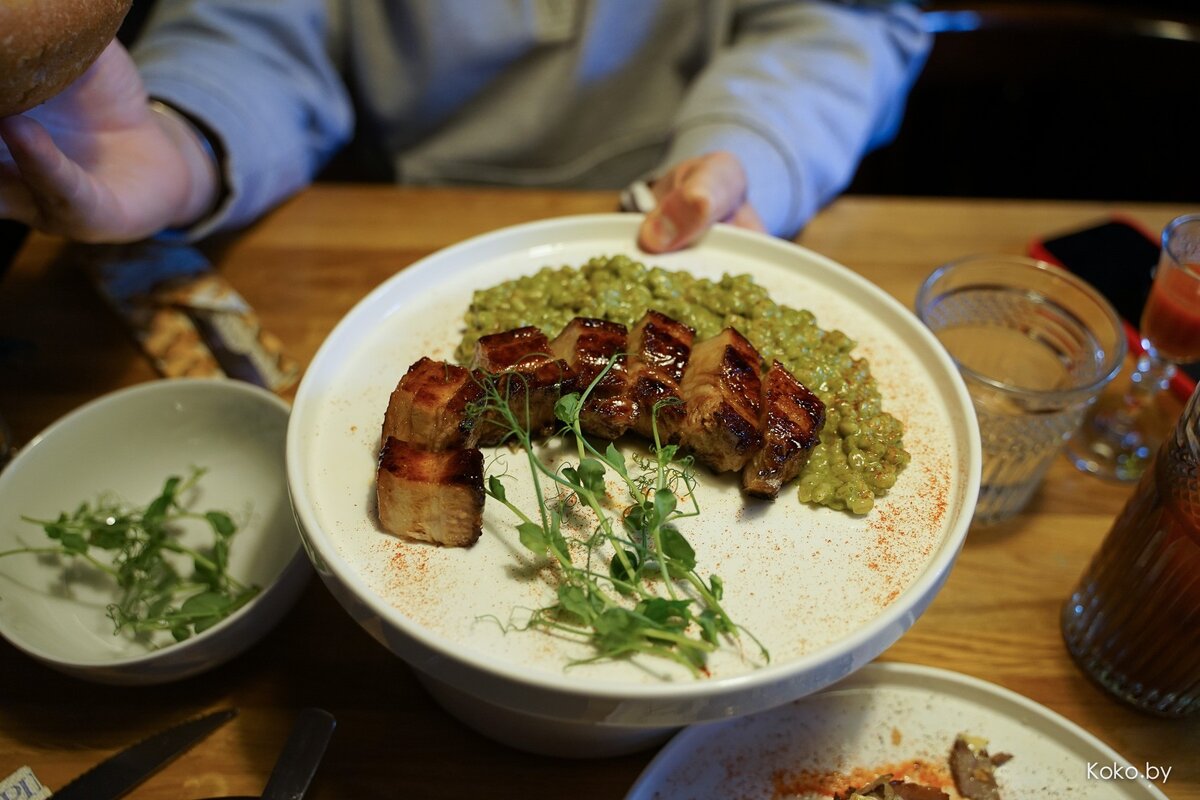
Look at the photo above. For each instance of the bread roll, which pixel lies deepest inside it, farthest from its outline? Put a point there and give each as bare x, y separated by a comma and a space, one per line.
46, 44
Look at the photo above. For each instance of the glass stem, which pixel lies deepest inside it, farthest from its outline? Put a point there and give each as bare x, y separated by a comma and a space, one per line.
1151, 377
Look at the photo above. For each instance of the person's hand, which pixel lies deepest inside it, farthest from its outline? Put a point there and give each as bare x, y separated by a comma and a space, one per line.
95, 164
694, 195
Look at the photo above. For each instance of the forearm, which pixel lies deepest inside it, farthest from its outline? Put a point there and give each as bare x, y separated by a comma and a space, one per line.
799, 96
259, 78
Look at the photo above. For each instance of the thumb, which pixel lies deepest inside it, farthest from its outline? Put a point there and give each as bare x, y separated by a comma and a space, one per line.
700, 192
57, 195
28, 149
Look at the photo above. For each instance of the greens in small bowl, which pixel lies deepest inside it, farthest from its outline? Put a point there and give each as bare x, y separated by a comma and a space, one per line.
147, 536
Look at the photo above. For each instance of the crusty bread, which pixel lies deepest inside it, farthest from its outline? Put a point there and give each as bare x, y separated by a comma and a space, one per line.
46, 44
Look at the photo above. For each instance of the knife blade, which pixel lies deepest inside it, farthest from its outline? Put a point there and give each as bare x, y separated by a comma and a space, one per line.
120, 773
301, 755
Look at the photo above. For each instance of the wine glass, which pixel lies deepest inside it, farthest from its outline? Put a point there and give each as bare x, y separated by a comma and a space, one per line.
1120, 434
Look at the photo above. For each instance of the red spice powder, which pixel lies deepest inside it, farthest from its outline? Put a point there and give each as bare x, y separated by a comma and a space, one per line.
787, 783
409, 559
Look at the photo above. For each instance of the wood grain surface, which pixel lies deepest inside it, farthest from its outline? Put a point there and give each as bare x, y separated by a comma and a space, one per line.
302, 268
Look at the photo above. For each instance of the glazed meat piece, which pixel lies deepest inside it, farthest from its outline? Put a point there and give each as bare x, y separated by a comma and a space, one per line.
586, 346
430, 406
528, 375
659, 349
915, 791
722, 395
885, 787
433, 496
791, 422
974, 770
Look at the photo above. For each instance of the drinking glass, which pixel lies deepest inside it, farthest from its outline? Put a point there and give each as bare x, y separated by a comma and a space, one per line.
1120, 434
1035, 345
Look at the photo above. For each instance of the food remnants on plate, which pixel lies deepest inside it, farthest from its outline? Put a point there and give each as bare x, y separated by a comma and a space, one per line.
972, 770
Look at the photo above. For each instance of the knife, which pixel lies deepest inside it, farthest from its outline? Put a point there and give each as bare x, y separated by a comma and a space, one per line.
301, 755
120, 773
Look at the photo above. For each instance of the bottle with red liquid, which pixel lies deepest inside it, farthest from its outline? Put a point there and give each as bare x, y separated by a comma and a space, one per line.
1133, 621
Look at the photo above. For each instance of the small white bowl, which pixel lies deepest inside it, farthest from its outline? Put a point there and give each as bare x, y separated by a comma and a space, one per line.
128, 443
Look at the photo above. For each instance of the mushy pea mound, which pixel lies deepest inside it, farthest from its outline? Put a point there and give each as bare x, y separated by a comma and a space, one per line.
861, 449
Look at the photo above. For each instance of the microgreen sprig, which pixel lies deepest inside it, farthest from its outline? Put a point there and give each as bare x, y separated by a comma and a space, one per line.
619, 609
154, 596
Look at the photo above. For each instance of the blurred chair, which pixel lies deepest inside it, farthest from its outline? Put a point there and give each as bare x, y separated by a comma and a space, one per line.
1051, 100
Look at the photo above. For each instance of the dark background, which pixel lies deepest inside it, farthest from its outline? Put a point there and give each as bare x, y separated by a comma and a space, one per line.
1074, 100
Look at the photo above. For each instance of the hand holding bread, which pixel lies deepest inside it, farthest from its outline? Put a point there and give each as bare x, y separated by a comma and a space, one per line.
82, 155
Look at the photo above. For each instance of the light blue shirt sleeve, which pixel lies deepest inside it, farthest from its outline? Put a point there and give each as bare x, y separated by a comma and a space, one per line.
801, 93
259, 75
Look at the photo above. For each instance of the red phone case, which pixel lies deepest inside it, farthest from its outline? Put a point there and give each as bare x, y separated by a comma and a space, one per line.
1182, 384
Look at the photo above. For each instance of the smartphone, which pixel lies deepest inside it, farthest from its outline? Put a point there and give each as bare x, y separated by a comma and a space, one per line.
1118, 257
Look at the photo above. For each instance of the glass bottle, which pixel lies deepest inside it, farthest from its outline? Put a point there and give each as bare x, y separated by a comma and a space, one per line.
1133, 621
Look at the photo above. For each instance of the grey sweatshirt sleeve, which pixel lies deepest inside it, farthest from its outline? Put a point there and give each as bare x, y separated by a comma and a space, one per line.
801, 93
259, 76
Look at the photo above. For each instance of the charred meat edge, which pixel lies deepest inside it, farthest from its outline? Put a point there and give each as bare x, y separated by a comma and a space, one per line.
430, 406
659, 348
791, 423
722, 397
593, 348
527, 374
431, 495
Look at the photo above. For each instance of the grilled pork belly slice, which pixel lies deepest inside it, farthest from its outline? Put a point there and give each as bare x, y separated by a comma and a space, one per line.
527, 374
587, 345
659, 349
430, 406
791, 422
722, 395
433, 496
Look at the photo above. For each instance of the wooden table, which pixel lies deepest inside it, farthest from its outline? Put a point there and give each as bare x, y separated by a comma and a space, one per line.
303, 268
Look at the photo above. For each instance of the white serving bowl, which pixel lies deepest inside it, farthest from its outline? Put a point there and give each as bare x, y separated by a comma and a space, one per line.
127, 443
825, 590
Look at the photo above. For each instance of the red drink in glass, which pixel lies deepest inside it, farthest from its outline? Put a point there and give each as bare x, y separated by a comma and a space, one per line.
1120, 435
1171, 319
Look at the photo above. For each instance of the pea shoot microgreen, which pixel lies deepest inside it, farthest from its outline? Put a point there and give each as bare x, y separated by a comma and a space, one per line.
629, 586
135, 546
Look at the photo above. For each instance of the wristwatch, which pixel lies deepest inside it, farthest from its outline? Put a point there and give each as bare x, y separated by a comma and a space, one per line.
639, 197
